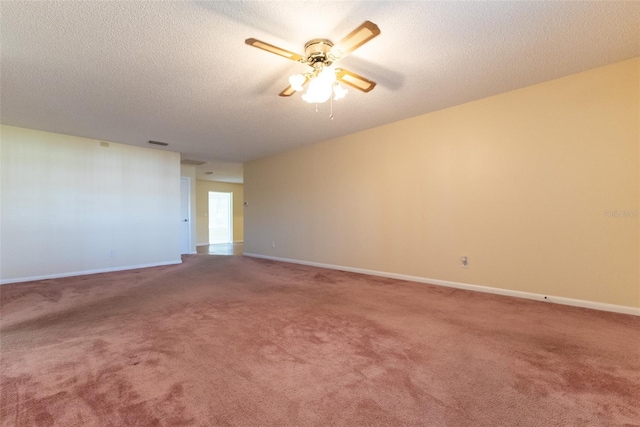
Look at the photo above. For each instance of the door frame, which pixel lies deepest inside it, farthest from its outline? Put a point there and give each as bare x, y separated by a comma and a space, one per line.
230, 195
188, 201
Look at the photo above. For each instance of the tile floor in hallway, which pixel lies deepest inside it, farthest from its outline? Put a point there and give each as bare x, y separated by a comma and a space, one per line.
235, 248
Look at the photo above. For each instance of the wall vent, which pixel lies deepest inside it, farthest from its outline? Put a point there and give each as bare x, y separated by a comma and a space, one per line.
164, 144
192, 162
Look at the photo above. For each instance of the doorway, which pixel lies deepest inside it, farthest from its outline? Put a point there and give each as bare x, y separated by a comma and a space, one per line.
220, 217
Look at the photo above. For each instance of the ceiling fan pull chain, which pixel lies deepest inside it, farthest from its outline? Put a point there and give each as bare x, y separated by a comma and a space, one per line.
331, 108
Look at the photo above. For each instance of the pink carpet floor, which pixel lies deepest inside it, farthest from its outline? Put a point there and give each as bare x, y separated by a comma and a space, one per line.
235, 341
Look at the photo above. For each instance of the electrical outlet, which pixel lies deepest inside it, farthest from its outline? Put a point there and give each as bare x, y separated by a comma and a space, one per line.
273, 244
465, 262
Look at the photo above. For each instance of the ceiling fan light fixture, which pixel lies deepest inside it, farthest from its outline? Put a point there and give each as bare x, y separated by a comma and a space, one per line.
321, 86
339, 92
296, 81
317, 92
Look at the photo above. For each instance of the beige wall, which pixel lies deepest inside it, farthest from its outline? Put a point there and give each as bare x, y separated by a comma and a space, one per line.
518, 182
189, 171
71, 205
202, 200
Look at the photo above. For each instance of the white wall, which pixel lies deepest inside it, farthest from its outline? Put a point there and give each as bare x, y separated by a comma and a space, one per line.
70, 206
521, 183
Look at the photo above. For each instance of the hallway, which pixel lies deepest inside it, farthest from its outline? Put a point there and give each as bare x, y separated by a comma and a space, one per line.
221, 249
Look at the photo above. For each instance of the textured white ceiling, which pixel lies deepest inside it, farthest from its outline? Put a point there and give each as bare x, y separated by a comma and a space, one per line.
179, 72
220, 171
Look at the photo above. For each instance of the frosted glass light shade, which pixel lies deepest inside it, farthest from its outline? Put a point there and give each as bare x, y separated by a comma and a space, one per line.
296, 81
321, 87
339, 92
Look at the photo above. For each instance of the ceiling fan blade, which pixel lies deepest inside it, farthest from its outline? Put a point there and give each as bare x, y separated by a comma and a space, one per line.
273, 49
354, 80
357, 38
287, 92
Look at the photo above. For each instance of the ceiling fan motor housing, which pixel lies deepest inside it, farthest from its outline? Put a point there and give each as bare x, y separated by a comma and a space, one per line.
318, 54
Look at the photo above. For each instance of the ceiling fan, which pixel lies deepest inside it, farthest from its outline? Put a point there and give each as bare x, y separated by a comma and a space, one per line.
320, 54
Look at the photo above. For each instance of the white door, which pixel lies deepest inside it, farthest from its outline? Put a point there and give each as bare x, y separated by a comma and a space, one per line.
185, 210
220, 217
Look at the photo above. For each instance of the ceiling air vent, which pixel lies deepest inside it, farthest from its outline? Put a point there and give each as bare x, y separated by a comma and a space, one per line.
192, 162
164, 144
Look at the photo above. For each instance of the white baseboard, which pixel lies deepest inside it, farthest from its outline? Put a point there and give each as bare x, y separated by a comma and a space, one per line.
82, 273
202, 244
478, 288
